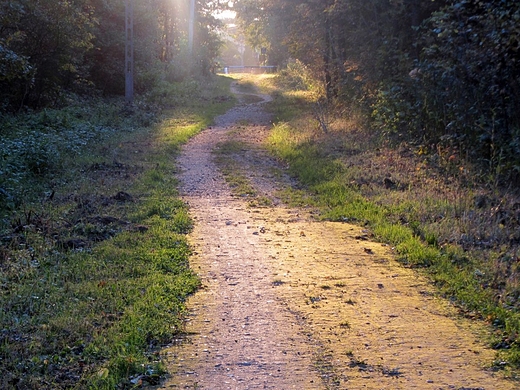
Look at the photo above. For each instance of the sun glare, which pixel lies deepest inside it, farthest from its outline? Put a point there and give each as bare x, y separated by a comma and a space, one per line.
227, 14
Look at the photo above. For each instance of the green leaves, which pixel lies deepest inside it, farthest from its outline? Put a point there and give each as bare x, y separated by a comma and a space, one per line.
471, 76
12, 65
49, 48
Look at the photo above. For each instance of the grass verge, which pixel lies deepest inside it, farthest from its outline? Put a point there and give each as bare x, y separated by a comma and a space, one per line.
230, 167
93, 258
464, 236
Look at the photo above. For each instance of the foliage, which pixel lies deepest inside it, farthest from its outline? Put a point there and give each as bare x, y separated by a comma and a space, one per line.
49, 48
265, 24
12, 65
93, 256
297, 76
470, 71
439, 73
465, 239
52, 37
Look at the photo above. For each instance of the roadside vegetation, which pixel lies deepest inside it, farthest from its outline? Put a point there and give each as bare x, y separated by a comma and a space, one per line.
93, 257
402, 116
440, 74
461, 232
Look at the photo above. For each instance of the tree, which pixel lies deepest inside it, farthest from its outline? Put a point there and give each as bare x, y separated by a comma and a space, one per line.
351, 45
266, 25
52, 37
438, 71
471, 79
49, 47
14, 67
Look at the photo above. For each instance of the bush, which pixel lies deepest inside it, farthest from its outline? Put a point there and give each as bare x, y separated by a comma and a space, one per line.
469, 84
296, 76
36, 146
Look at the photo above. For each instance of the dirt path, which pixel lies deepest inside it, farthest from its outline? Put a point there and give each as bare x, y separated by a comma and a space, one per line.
290, 303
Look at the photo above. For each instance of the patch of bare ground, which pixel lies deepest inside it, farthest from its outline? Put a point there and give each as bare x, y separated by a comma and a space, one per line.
288, 302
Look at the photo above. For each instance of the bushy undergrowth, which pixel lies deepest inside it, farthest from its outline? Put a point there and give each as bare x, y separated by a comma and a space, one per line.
423, 203
93, 256
461, 91
297, 77
38, 147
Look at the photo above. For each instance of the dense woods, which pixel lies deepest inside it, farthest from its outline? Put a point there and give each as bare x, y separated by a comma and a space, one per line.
69, 55
443, 74
50, 47
86, 184
440, 74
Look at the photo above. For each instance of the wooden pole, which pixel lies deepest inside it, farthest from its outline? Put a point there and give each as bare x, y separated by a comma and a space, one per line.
191, 27
129, 51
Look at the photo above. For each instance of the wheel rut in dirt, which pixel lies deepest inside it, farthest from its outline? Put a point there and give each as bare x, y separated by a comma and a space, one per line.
291, 303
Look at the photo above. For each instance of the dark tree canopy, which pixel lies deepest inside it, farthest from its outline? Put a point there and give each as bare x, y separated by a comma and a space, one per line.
438, 71
48, 47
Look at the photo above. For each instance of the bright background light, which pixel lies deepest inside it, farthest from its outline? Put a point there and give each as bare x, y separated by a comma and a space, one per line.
227, 14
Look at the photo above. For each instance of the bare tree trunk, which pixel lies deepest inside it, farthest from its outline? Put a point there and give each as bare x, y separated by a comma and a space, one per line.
327, 63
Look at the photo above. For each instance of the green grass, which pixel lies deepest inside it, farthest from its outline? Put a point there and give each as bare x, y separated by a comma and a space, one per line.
231, 169
344, 189
246, 85
94, 261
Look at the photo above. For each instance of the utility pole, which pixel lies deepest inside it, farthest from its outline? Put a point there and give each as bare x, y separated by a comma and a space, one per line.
129, 51
191, 27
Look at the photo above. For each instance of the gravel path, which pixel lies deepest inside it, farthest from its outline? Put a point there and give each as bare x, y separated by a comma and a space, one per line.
290, 303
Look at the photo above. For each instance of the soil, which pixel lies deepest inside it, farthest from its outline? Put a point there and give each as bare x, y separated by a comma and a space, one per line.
292, 303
